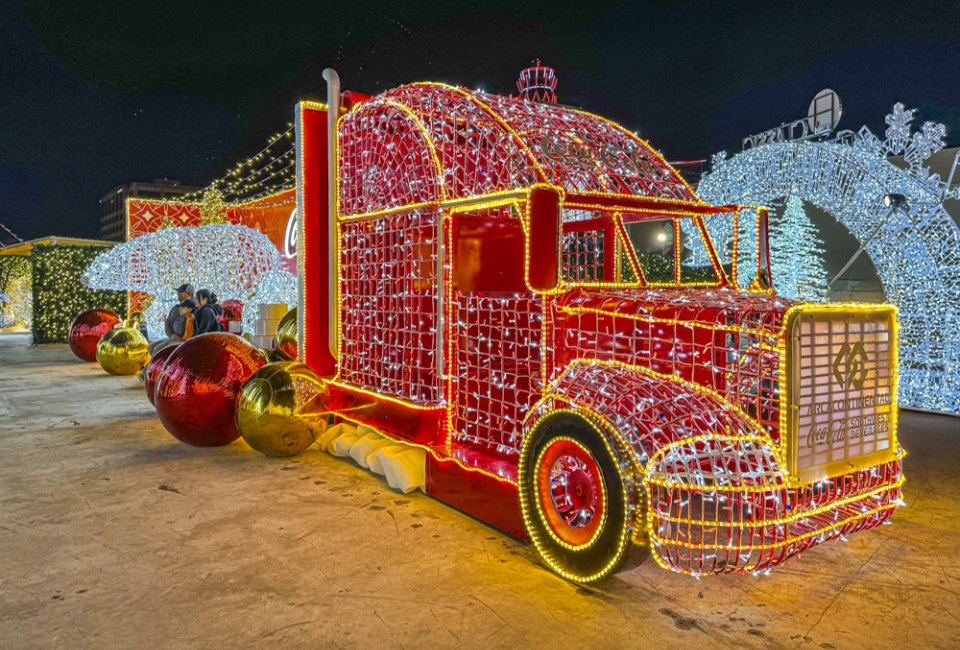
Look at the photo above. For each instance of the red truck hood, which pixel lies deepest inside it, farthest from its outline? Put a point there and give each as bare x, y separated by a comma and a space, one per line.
703, 305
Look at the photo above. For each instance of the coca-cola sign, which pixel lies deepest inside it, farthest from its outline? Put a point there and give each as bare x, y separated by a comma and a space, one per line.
291, 236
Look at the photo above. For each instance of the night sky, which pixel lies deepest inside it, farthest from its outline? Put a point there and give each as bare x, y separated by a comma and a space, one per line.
97, 94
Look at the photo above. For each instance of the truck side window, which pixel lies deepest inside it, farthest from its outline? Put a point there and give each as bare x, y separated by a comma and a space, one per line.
488, 251
695, 264
584, 255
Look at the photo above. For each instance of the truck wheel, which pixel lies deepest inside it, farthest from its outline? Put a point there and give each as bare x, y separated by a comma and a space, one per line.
573, 500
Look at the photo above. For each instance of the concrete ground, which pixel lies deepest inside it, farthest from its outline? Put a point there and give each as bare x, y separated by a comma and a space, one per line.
114, 535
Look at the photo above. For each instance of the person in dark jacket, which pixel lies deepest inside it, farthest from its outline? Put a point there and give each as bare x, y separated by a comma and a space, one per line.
175, 323
208, 315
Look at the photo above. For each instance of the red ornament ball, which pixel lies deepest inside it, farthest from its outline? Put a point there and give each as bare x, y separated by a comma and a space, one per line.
87, 329
197, 391
152, 373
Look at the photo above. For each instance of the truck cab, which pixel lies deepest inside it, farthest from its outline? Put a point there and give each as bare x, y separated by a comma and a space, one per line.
532, 296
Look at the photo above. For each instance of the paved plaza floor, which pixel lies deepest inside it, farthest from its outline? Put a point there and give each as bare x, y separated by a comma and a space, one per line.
115, 535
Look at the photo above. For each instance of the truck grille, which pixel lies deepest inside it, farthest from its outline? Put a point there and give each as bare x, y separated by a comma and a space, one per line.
841, 386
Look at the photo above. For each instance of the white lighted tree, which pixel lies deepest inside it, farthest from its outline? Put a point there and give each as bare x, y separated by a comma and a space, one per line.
796, 254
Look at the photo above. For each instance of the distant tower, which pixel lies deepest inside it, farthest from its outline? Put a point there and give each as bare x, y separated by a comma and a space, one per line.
537, 84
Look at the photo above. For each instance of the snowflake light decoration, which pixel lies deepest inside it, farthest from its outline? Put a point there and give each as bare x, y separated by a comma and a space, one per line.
916, 250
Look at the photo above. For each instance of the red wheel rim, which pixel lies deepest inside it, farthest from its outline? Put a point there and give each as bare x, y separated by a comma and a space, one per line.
571, 491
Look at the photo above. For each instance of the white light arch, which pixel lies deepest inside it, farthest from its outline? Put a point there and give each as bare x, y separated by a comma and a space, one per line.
916, 250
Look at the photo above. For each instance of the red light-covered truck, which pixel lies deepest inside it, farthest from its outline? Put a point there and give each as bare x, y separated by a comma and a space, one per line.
531, 296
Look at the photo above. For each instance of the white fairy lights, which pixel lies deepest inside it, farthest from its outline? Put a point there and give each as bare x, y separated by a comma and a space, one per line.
915, 247
273, 287
228, 259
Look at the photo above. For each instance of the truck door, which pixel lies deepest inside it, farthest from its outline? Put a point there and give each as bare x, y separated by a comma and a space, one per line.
496, 329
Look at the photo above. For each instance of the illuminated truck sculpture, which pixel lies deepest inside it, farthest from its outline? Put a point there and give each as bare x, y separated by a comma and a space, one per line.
530, 294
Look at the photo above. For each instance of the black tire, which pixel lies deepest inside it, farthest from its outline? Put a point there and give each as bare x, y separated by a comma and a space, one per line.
582, 548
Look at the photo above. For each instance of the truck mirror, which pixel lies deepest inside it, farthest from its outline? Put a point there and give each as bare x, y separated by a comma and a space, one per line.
543, 238
763, 279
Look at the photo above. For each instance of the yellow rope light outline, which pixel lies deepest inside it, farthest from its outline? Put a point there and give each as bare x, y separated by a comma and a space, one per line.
657, 540
654, 320
783, 521
625, 534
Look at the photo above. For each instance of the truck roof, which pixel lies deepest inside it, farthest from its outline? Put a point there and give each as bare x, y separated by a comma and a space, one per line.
428, 143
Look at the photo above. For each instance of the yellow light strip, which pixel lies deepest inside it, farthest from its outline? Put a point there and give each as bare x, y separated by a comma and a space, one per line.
677, 212
781, 521
644, 197
408, 207
525, 510
656, 539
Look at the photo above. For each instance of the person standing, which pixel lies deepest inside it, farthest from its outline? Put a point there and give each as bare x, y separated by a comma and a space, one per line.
175, 323
208, 315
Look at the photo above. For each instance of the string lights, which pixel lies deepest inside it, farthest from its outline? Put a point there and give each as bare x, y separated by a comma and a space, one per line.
213, 209
914, 247
59, 295
269, 171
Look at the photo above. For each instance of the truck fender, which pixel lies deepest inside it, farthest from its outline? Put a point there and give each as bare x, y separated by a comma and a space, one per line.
677, 432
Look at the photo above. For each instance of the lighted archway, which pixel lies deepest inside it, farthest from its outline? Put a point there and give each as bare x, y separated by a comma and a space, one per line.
916, 249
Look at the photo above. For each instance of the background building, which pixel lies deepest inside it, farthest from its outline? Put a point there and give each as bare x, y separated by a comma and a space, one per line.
113, 206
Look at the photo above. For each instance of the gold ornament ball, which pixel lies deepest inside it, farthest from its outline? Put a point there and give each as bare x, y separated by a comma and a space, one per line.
287, 335
136, 318
280, 412
122, 351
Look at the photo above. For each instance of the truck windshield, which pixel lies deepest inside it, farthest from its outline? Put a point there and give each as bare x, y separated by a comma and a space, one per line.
596, 252
661, 243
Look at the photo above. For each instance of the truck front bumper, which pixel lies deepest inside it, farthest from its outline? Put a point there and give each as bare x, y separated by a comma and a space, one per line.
711, 526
